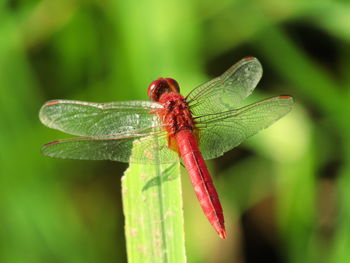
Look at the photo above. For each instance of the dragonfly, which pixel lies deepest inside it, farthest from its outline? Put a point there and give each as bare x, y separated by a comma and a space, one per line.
203, 125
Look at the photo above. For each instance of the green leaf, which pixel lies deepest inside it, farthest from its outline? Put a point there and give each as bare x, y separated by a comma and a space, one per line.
152, 204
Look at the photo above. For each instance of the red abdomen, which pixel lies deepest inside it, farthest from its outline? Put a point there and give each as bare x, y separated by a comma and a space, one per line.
181, 130
201, 180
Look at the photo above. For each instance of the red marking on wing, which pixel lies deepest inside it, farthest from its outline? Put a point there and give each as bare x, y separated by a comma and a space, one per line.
284, 97
248, 58
53, 102
51, 143
201, 180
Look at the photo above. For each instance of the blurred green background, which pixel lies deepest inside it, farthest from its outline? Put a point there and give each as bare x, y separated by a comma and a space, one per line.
285, 192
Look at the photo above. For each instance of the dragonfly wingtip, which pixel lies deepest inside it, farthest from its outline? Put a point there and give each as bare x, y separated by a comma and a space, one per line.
249, 58
285, 97
51, 143
51, 102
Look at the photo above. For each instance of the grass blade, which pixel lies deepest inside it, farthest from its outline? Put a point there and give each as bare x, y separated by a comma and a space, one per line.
152, 204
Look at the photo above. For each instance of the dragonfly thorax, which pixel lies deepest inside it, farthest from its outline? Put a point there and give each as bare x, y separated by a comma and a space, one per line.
175, 115
161, 86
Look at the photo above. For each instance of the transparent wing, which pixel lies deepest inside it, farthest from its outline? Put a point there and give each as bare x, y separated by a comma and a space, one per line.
223, 131
149, 149
227, 91
95, 119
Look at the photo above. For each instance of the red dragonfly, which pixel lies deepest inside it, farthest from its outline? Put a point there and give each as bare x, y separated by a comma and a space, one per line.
203, 125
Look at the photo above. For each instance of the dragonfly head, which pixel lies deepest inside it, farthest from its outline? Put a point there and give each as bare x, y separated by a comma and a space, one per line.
160, 86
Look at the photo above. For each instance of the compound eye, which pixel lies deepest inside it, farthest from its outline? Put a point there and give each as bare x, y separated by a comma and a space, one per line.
152, 90
173, 85
161, 86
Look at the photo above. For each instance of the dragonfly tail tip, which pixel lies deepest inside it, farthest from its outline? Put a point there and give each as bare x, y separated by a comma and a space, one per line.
222, 234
